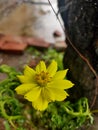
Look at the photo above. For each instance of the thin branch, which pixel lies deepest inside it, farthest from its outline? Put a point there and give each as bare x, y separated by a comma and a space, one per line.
56, 16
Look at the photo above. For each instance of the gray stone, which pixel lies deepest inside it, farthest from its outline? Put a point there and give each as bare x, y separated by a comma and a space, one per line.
81, 29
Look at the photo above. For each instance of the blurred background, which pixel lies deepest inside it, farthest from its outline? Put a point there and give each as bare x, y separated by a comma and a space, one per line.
29, 18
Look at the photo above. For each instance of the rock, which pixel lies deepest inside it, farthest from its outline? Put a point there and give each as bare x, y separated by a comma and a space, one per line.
81, 75
82, 28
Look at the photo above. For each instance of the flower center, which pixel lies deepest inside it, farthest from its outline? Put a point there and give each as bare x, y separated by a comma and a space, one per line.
43, 78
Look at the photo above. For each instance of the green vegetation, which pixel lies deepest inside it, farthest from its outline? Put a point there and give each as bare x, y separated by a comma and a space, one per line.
20, 115
47, 55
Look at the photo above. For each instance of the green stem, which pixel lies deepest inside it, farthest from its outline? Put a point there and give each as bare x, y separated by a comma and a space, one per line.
94, 111
3, 110
6, 124
8, 91
76, 113
4, 82
9, 118
13, 118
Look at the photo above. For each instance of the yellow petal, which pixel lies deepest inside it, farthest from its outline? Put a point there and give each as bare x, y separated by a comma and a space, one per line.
61, 84
24, 88
29, 71
26, 79
33, 94
52, 68
40, 104
41, 67
59, 94
60, 74
47, 94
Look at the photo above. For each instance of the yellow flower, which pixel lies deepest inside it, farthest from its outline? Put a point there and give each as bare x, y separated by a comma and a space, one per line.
43, 85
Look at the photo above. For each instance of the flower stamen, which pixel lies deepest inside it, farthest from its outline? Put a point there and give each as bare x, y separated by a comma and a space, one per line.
42, 78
